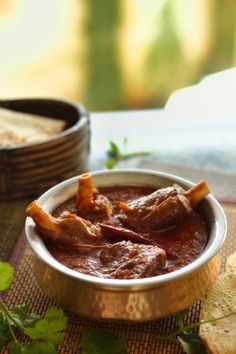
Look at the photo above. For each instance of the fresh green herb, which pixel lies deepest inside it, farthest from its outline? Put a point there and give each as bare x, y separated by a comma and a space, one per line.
32, 348
190, 342
6, 275
101, 342
51, 328
45, 334
116, 154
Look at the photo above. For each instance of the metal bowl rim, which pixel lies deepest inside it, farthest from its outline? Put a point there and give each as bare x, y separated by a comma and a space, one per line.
126, 284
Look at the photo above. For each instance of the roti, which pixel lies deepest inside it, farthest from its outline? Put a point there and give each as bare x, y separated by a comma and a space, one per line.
219, 337
18, 128
231, 264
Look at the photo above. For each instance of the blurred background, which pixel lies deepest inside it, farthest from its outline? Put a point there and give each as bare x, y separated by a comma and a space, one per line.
112, 55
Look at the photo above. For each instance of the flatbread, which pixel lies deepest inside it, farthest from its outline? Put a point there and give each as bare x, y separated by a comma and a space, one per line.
18, 128
219, 337
231, 265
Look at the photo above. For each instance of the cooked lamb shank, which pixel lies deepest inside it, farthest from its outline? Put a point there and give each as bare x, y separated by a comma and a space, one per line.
68, 229
163, 208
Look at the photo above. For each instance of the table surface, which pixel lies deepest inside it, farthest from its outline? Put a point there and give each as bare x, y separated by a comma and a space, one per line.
200, 143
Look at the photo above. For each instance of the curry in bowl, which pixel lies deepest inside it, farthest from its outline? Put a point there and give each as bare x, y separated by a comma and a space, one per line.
124, 232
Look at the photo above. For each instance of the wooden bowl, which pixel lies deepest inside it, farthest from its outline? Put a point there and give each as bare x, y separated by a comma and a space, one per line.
30, 169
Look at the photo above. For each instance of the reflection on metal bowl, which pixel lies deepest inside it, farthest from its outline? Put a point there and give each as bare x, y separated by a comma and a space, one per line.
136, 299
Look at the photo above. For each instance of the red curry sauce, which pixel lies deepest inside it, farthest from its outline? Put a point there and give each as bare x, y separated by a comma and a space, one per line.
187, 239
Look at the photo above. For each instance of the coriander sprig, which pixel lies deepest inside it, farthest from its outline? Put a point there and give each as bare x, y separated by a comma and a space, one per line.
190, 342
44, 333
116, 154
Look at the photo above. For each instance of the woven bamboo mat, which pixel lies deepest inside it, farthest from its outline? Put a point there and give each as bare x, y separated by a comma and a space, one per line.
141, 337
12, 216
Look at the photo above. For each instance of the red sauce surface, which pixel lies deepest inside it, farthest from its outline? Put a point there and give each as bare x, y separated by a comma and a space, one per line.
187, 239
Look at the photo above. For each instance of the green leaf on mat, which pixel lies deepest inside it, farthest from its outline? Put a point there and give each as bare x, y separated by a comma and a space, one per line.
101, 342
21, 313
51, 328
180, 319
192, 344
6, 275
34, 348
5, 333
15, 348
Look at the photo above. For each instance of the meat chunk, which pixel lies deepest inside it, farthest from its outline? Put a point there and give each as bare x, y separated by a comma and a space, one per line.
125, 260
158, 210
168, 213
89, 200
68, 228
142, 206
163, 208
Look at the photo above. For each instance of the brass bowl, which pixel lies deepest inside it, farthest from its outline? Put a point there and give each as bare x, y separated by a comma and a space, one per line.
136, 299
31, 169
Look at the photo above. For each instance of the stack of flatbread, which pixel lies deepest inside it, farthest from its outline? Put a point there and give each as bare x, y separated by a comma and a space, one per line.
219, 337
18, 128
